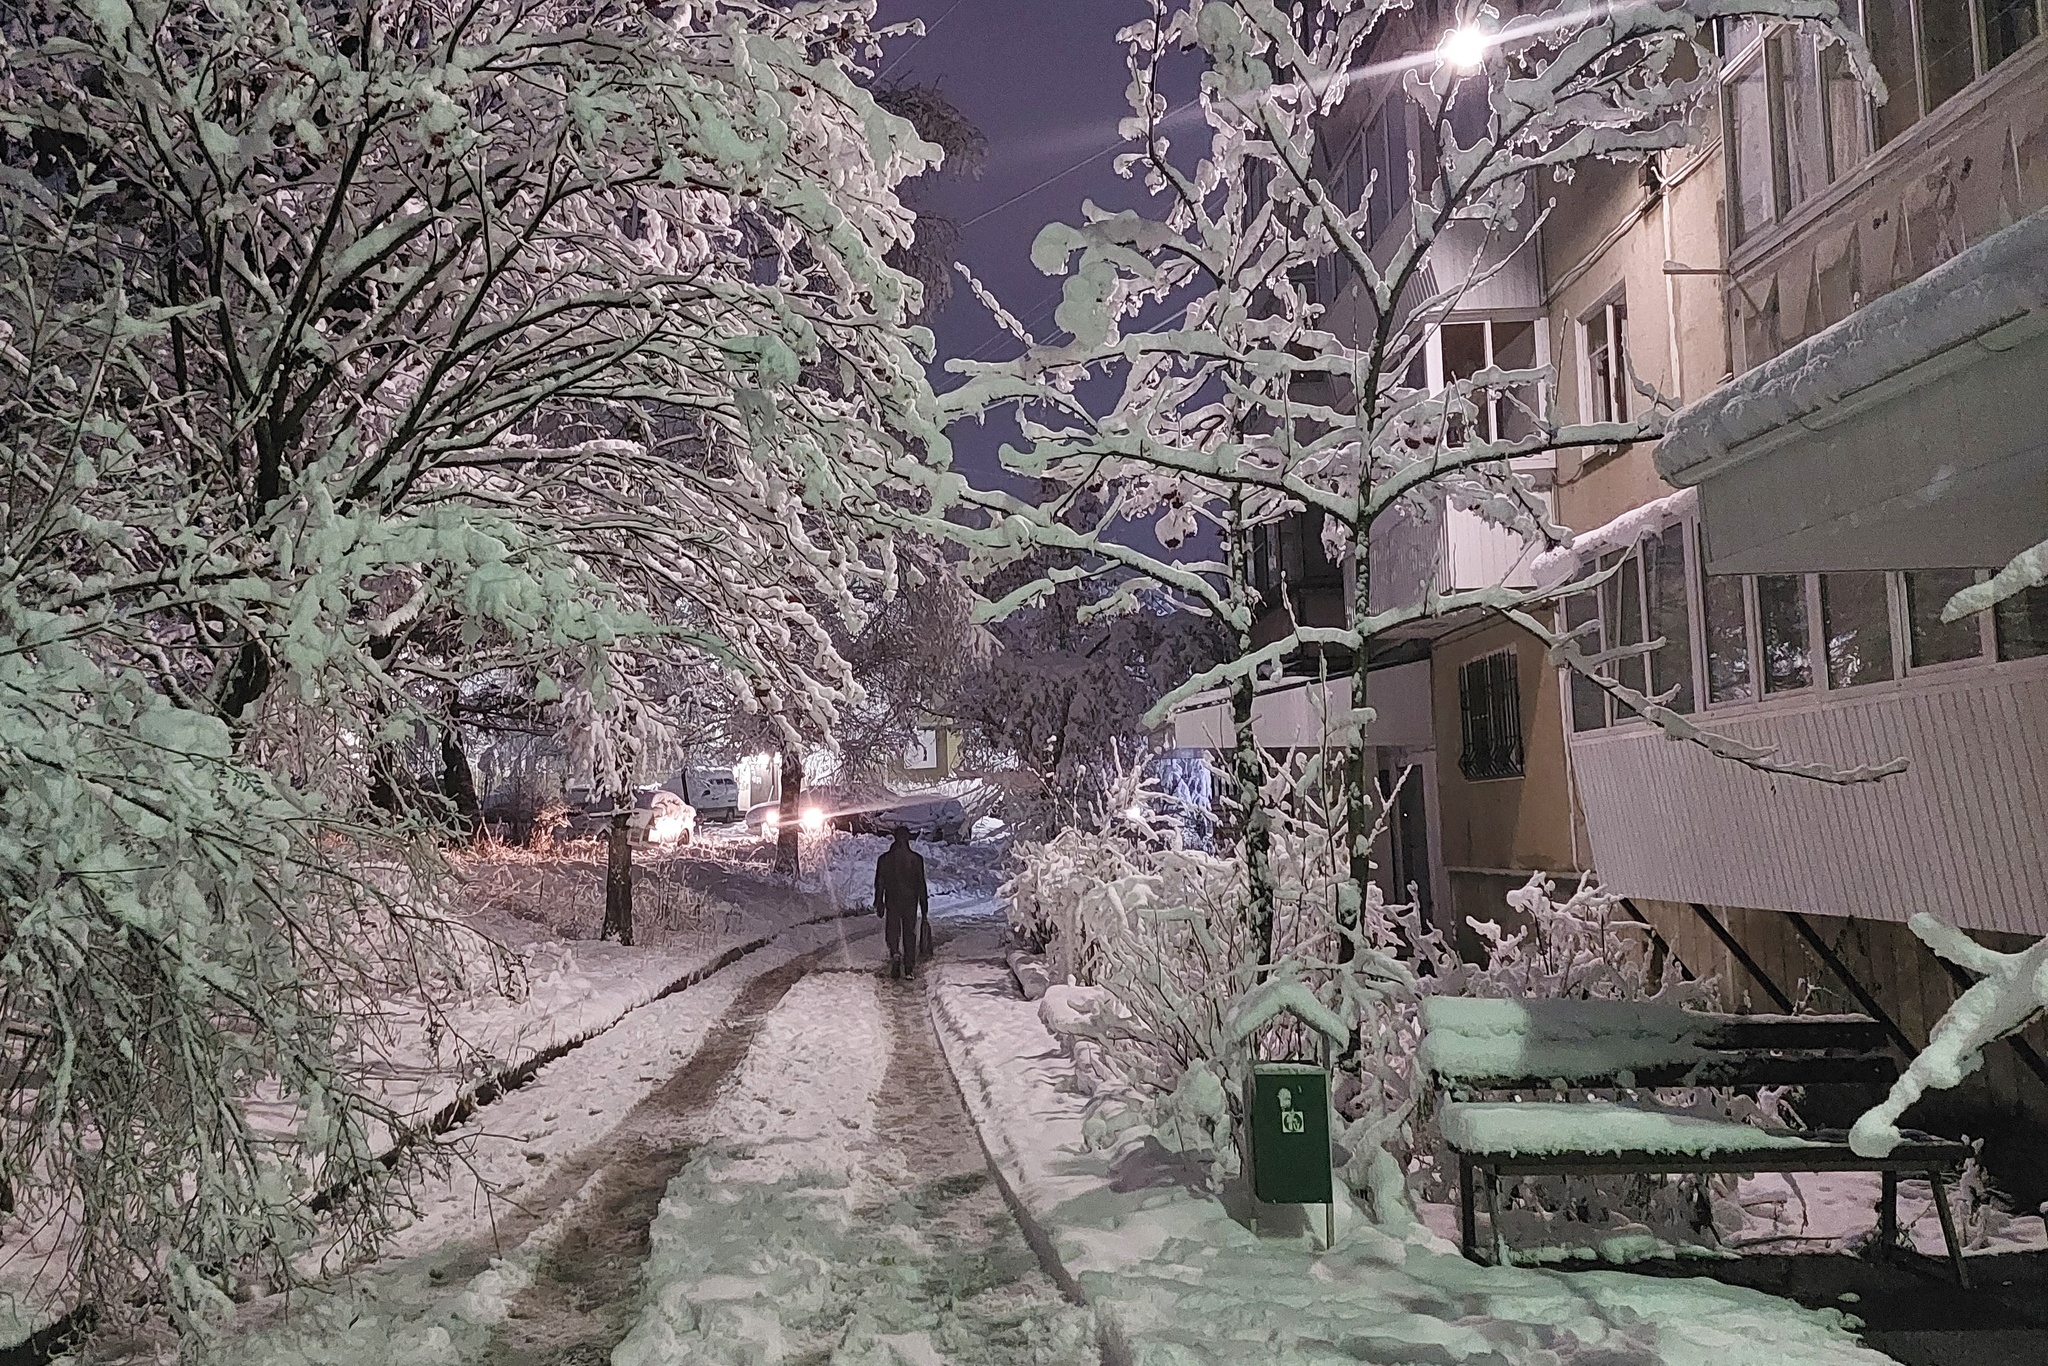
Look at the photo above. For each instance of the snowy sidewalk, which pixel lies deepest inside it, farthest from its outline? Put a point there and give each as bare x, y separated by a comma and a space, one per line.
1176, 1282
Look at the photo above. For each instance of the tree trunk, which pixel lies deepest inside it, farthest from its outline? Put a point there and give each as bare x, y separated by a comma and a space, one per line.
788, 846
458, 783
618, 877
1248, 770
1360, 781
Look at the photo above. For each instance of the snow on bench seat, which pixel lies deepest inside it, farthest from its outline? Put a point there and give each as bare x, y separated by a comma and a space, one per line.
1491, 1129
1476, 1044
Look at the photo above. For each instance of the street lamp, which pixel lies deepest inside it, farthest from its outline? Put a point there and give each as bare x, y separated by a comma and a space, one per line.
1464, 48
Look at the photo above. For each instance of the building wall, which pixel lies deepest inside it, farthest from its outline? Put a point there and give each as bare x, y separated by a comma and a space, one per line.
1962, 834
1612, 231
1495, 832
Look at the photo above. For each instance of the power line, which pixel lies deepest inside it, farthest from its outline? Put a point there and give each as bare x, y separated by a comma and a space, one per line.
915, 41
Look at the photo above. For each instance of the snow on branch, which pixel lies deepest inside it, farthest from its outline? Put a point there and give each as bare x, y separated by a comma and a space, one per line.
2012, 995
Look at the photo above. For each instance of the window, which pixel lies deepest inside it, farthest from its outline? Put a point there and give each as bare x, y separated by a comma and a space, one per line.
2022, 624
1490, 717
1795, 61
1855, 614
1605, 336
2009, 25
1888, 32
1817, 122
1621, 611
1589, 699
1932, 640
1761, 637
1727, 619
1466, 348
1781, 613
1752, 173
1670, 618
1948, 56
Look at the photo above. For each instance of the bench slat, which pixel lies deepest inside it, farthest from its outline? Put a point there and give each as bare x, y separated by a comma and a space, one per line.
1733, 1069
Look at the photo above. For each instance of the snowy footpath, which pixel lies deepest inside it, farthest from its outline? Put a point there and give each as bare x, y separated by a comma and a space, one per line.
1176, 1282
770, 1166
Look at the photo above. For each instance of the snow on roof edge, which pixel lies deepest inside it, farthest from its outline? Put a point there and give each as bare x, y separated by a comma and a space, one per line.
1982, 287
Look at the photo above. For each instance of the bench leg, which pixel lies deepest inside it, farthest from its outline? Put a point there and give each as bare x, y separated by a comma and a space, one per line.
1467, 1234
1948, 1228
1500, 1237
1888, 1215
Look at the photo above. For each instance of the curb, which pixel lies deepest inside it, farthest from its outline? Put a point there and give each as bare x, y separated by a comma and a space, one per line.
1109, 1338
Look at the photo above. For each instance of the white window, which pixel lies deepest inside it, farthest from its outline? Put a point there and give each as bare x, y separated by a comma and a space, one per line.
1603, 341
1460, 350
1739, 639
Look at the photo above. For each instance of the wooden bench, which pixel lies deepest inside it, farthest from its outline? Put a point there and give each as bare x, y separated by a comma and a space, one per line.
1473, 1047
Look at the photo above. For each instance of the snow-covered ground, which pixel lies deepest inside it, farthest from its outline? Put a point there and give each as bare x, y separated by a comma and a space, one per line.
821, 1196
1176, 1280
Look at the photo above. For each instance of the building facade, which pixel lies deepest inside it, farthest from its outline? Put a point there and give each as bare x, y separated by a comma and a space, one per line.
1847, 300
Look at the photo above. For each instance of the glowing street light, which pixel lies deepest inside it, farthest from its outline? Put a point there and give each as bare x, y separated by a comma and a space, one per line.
1464, 48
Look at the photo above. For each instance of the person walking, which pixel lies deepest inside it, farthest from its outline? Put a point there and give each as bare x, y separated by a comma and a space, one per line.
902, 900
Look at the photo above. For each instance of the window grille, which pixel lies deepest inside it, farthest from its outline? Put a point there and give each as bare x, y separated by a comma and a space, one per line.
1490, 717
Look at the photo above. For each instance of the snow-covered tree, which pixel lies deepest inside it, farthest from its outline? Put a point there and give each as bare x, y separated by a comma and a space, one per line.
1234, 397
350, 350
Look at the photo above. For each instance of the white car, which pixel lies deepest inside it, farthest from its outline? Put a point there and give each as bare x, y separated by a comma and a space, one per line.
661, 817
765, 818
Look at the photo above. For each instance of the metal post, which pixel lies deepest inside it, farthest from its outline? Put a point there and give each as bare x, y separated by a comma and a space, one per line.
1948, 1228
1888, 1214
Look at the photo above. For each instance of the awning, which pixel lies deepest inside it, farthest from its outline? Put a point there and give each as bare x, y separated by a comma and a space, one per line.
1912, 434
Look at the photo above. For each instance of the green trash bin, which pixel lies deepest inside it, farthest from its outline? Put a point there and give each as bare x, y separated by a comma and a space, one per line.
1291, 1133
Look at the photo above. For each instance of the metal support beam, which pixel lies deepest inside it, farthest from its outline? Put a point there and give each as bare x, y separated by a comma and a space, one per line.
1840, 969
1657, 935
1749, 964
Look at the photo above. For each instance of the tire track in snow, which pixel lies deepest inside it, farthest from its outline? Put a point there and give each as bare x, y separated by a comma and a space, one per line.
845, 1216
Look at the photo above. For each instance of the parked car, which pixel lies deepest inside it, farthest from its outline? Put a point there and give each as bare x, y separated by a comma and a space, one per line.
878, 811
765, 818
659, 816
713, 791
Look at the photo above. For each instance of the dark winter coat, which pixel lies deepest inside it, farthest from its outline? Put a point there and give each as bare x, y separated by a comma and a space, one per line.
899, 882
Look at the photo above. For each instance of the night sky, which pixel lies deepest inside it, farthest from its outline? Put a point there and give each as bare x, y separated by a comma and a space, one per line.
1044, 80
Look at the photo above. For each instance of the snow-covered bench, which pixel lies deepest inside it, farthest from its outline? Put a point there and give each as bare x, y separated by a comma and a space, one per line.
1474, 1047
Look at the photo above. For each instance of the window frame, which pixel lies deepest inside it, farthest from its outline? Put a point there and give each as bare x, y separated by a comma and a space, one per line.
1611, 307
1433, 357
1504, 699
1905, 674
1760, 47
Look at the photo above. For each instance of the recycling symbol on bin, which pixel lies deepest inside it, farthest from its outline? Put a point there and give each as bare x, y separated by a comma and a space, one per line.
1292, 1121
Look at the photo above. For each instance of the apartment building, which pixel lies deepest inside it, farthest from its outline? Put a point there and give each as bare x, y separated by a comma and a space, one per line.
1849, 301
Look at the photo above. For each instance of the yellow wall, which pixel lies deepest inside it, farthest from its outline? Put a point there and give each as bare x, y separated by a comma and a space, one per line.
1494, 831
